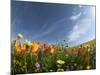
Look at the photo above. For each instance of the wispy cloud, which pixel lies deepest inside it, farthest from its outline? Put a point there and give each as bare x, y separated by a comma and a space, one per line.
80, 6
75, 17
50, 28
80, 28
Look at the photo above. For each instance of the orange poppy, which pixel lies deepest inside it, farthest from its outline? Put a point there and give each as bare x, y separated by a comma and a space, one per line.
35, 47
23, 47
18, 50
51, 50
33, 52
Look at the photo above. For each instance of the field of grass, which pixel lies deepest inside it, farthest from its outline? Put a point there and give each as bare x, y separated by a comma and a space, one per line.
34, 57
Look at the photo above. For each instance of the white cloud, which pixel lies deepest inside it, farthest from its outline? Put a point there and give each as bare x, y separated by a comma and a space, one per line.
80, 28
80, 6
75, 17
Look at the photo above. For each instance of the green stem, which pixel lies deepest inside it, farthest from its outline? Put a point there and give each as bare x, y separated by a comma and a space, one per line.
14, 67
25, 63
31, 60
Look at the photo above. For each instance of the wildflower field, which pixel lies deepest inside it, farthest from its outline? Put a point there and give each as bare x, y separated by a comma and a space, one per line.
34, 57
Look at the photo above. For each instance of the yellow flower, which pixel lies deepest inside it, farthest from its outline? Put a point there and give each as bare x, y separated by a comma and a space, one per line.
60, 62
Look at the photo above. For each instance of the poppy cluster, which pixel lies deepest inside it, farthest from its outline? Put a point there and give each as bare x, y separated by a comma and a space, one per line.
33, 47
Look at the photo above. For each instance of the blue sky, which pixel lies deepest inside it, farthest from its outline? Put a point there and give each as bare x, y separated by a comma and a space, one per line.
50, 23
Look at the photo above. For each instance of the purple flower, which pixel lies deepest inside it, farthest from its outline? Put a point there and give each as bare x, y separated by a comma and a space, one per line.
37, 65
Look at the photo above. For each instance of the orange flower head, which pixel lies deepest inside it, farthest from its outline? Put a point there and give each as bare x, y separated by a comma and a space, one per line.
33, 52
23, 47
52, 50
18, 50
35, 47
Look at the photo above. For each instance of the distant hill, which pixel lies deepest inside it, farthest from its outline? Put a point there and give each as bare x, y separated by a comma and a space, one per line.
88, 43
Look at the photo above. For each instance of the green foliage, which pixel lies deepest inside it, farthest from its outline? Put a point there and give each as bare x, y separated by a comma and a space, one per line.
59, 61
